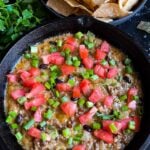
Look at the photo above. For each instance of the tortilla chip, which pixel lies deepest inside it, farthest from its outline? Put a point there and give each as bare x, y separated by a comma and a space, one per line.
75, 4
127, 4
145, 26
109, 10
61, 7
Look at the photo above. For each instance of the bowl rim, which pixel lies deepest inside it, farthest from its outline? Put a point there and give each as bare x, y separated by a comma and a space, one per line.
114, 22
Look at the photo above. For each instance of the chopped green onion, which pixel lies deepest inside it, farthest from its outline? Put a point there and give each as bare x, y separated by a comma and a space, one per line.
104, 116
34, 49
29, 124
70, 141
78, 127
129, 69
14, 126
81, 102
35, 63
116, 114
47, 85
22, 100
56, 104
43, 136
78, 137
43, 123
135, 97
33, 108
131, 125
9, 120
94, 77
104, 62
128, 131
124, 108
89, 104
87, 74
123, 97
53, 68
127, 61
89, 45
113, 128
76, 63
112, 62
65, 99
69, 60
13, 114
53, 49
51, 101
48, 114
59, 43
66, 133
19, 136
91, 36
71, 81
79, 35
96, 125
54, 134
57, 93
27, 56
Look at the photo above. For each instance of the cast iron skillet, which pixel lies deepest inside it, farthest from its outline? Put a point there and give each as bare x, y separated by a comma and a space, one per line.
74, 24
135, 10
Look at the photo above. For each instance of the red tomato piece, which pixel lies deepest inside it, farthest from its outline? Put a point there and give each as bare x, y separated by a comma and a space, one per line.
63, 87
106, 125
45, 59
137, 123
88, 62
105, 47
100, 54
24, 74
131, 92
76, 93
12, 78
83, 51
104, 135
96, 95
69, 47
36, 101
85, 86
72, 41
132, 105
34, 132
29, 82
112, 73
69, 108
124, 123
37, 88
67, 69
38, 115
17, 93
88, 116
79, 147
100, 71
108, 101
34, 72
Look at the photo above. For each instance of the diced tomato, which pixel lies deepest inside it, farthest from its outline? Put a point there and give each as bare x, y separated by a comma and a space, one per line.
63, 87
24, 74
105, 47
67, 69
69, 108
112, 73
124, 123
132, 105
34, 132
104, 135
88, 62
85, 86
137, 123
69, 47
108, 101
131, 92
76, 93
88, 116
106, 125
100, 71
96, 95
37, 88
53, 58
29, 82
100, 54
34, 72
17, 93
79, 147
36, 101
12, 78
83, 51
38, 115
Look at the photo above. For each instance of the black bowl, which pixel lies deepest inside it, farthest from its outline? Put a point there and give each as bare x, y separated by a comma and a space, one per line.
135, 10
74, 24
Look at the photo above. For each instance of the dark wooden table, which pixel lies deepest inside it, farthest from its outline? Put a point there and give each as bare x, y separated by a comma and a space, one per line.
130, 27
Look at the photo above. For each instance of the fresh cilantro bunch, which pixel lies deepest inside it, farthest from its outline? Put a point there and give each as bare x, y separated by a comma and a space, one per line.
16, 18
